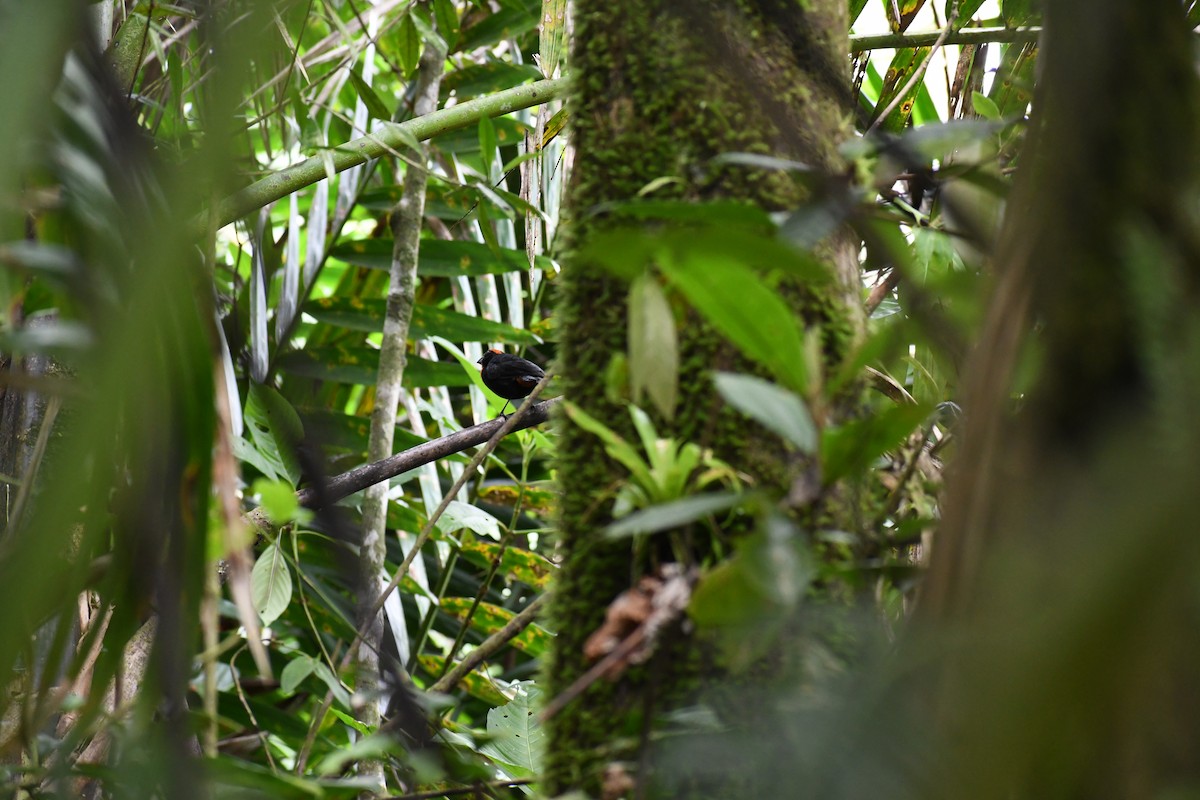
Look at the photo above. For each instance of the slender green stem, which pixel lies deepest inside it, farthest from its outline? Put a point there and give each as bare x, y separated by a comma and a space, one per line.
392, 136
927, 38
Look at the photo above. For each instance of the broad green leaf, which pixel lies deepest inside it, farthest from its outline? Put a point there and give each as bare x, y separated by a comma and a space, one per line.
736, 302
673, 515
774, 408
294, 674
614, 444
374, 103
745, 599
407, 42
270, 584
367, 747
850, 448
1012, 89
653, 347
278, 499
984, 106
966, 10
460, 515
230, 772
518, 736
466, 140
856, 8
274, 430
322, 671
447, 21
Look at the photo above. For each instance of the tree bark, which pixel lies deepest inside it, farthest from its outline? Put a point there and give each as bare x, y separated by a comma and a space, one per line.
661, 88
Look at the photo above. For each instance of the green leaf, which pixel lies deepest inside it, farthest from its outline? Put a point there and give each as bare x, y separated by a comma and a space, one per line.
441, 258
984, 106
488, 146
466, 139
848, 449
553, 38
519, 739
614, 444
447, 21
738, 304
653, 348
673, 515
408, 45
774, 408
856, 8
375, 105
294, 674
516, 564
274, 430
367, 315
904, 63
966, 10
507, 23
270, 585
460, 515
279, 500
489, 618
746, 599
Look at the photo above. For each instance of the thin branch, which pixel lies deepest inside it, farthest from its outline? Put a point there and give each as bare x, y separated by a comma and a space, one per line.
359, 478
887, 41
390, 136
917, 75
490, 645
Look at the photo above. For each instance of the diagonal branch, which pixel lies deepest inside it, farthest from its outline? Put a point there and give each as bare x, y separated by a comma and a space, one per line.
359, 478
392, 136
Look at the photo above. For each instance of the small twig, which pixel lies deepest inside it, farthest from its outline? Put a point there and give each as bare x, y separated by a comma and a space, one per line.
597, 671
490, 645
916, 76
882, 290
887, 41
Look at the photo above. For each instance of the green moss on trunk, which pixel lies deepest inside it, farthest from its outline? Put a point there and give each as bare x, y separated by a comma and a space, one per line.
661, 88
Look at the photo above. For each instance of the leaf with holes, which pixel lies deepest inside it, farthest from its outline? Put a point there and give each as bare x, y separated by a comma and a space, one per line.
518, 736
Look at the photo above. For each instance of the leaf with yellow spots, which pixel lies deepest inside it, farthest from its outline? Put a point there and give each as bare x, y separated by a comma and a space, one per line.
900, 13
489, 618
515, 563
906, 61
476, 682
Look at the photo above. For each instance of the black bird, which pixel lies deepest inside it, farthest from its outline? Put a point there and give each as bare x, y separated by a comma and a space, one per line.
509, 376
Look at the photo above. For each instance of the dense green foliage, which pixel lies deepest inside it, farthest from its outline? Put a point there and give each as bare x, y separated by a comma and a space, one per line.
764, 321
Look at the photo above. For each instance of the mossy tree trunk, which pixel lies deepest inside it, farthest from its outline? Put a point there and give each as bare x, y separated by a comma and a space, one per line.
661, 88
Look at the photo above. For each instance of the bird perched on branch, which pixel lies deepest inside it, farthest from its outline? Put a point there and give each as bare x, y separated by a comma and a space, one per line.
509, 376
